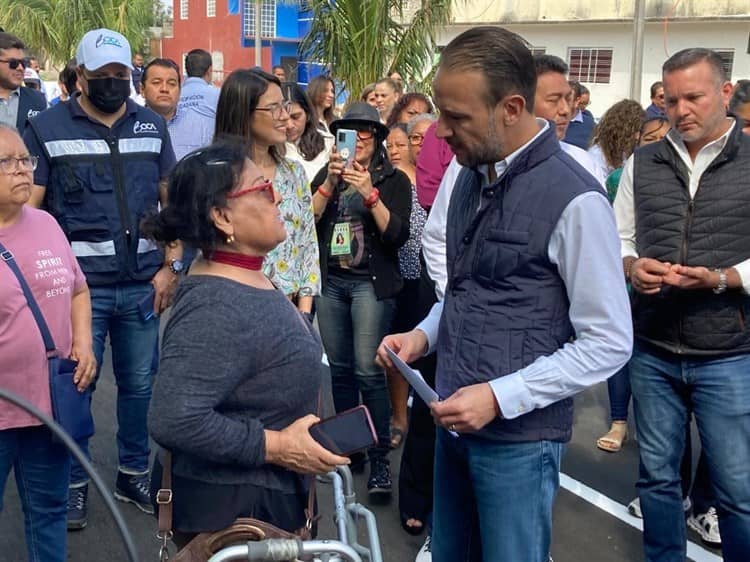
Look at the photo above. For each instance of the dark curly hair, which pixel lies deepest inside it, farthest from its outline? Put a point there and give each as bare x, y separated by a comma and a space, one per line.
199, 183
403, 102
618, 130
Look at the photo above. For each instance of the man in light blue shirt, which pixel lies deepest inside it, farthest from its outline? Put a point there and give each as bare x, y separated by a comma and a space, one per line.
189, 129
197, 91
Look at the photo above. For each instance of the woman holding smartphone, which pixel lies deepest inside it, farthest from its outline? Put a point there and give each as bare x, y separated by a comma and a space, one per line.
235, 395
369, 205
251, 106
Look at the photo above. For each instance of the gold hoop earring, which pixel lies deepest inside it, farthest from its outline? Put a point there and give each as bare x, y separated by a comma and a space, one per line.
230, 239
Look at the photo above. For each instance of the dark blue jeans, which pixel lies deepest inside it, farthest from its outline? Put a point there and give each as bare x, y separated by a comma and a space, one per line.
352, 324
41, 468
618, 386
115, 312
666, 388
493, 499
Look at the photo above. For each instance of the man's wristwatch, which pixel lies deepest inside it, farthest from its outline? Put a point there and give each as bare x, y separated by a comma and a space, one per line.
722, 286
176, 266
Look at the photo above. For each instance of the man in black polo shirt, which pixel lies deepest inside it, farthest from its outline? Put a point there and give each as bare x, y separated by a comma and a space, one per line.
102, 162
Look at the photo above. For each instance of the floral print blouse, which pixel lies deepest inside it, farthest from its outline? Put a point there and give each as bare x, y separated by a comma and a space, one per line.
294, 265
408, 254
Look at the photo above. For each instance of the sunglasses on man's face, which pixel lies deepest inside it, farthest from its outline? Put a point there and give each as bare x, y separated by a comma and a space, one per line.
266, 188
14, 63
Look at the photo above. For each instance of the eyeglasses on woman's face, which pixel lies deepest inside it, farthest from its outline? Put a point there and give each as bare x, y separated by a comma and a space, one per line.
277, 110
266, 188
11, 164
416, 139
365, 135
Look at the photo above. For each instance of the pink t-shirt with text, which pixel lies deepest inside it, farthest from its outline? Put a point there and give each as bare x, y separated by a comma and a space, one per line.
44, 256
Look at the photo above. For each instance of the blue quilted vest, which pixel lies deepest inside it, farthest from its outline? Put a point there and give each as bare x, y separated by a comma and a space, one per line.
505, 303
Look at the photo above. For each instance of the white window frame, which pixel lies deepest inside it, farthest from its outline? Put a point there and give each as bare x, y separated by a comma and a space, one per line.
267, 18
727, 55
184, 9
593, 54
210, 8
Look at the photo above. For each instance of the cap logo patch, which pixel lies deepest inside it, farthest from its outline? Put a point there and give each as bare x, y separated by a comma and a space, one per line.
103, 40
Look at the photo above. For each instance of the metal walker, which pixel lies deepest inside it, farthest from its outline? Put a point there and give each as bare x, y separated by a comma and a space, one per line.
345, 548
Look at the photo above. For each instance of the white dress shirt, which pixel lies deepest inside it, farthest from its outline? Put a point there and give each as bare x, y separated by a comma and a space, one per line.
312, 167
625, 205
584, 247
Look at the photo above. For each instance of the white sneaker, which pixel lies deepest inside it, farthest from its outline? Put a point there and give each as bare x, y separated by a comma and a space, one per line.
425, 553
707, 526
634, 508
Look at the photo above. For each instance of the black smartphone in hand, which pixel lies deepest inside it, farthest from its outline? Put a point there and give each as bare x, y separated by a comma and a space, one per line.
346, 433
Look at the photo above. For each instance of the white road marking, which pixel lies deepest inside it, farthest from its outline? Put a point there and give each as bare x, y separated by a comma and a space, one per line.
694, 551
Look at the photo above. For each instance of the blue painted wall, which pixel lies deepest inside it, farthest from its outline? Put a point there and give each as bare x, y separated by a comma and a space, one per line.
291, 26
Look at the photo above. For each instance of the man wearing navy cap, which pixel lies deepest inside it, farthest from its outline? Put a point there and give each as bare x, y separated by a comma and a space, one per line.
102, 162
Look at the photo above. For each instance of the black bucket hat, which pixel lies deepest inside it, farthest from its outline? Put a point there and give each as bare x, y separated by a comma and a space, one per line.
361, 115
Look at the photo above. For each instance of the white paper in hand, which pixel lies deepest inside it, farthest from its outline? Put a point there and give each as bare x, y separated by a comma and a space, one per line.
414, 378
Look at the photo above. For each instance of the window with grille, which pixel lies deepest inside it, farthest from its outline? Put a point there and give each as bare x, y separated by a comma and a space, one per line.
183, 9
210, 8
217, 63
591, 65
727, 57
267, 18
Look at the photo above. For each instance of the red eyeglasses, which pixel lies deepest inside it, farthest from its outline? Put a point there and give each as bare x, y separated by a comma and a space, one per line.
266, 188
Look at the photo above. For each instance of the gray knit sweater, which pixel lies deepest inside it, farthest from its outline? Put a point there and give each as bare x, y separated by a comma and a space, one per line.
235, 360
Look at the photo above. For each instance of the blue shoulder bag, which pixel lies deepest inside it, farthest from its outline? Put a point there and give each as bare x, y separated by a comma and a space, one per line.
70, 408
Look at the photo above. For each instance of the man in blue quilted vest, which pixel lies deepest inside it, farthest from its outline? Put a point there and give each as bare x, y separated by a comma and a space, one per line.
535, 307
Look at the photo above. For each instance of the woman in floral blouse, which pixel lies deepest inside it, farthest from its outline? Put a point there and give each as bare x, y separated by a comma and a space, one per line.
252, 106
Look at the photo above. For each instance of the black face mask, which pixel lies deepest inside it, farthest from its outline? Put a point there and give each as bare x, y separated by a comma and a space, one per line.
108, 94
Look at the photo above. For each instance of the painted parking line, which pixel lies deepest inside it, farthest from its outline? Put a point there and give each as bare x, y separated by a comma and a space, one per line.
694, 551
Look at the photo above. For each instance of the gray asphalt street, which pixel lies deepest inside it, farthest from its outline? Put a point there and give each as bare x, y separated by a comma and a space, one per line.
586, 528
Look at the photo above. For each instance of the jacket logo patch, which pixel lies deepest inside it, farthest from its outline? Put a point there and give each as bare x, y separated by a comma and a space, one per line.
141, 127
32, 113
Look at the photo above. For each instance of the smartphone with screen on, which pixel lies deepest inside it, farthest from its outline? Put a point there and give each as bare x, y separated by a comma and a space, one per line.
346, 145
346, 433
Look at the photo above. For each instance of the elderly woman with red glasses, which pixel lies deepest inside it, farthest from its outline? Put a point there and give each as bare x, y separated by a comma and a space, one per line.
235, 394
369, 205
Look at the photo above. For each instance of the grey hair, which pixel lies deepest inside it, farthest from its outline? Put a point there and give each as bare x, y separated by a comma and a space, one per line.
6, 127
418, 119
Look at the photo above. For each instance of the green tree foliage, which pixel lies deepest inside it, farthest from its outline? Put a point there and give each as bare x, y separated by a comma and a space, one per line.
364, 40
53, 28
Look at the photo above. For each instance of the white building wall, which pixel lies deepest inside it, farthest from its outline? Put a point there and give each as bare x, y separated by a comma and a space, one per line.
557, 38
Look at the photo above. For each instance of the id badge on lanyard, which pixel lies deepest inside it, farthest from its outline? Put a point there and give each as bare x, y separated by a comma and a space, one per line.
341, 240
